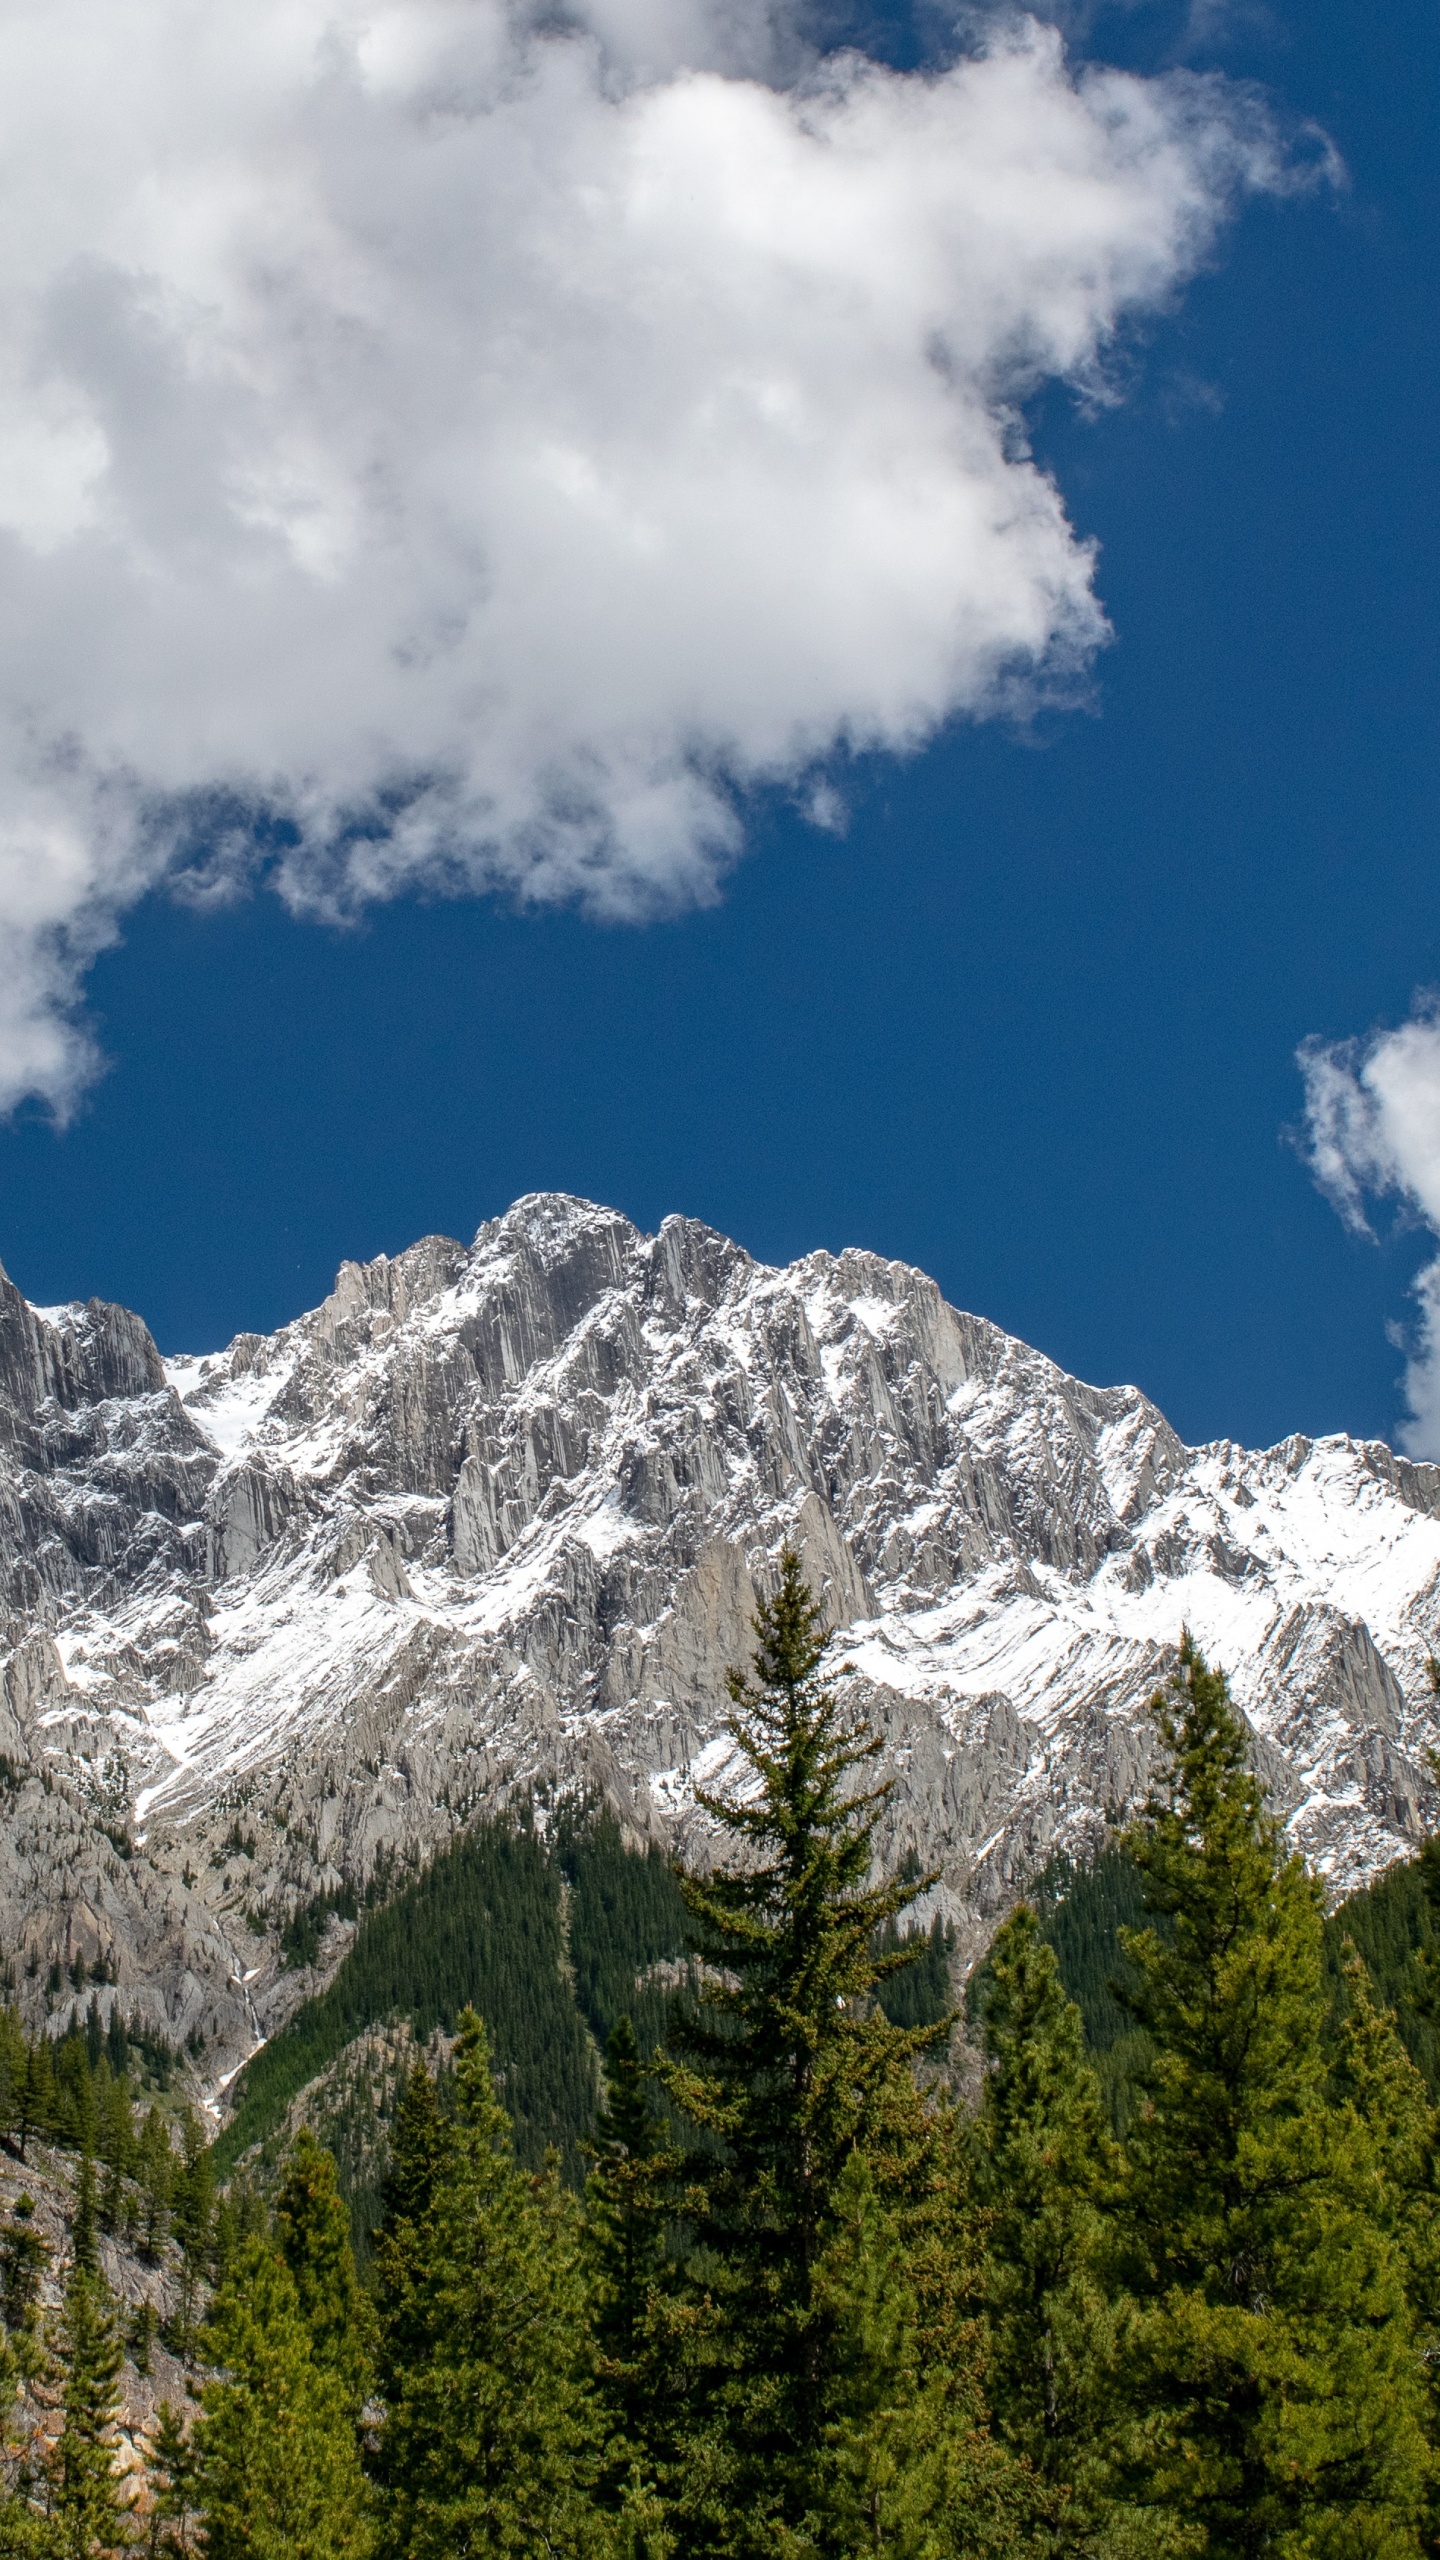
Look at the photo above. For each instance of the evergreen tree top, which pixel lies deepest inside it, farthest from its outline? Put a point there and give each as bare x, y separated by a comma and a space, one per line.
810, 1835
312, 2232
1231, 1987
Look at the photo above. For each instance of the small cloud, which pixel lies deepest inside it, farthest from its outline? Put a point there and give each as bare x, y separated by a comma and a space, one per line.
823, 807
1183, 392
1372, 1133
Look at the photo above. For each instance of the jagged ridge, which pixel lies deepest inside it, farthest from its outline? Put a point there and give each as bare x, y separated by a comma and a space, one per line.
497, 1514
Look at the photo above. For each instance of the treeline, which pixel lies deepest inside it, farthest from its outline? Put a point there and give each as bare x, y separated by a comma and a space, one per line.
145, 2175
808, 2307
1084, 1910
546, 1923
544, 1930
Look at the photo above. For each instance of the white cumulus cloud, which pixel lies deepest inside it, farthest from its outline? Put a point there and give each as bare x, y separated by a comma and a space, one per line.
1373, 1122
448, 441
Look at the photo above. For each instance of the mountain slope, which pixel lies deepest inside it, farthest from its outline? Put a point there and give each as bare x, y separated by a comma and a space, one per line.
496, 1515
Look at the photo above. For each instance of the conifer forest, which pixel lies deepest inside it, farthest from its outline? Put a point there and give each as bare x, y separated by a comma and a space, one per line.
1136, 2256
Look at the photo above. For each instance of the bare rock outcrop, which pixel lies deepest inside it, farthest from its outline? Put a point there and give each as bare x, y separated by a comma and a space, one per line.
280, 1618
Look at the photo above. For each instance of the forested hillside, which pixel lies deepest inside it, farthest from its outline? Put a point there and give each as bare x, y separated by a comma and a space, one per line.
794, 2301
1083, 1911
551, 1928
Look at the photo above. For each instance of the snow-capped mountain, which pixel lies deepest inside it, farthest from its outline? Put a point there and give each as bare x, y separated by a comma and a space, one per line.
498, 1514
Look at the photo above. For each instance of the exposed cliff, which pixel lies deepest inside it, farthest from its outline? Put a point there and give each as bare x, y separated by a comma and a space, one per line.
497, 1514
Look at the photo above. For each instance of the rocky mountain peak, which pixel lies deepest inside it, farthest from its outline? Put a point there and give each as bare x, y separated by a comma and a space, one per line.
497, 1515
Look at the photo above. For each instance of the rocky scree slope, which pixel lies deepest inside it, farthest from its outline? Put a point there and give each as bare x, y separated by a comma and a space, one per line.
277, 1620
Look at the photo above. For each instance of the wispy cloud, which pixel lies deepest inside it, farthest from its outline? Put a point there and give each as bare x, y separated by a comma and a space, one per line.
454, 442
1373, 1132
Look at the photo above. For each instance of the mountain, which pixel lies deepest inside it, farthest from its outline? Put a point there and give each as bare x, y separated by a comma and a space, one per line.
279, 1620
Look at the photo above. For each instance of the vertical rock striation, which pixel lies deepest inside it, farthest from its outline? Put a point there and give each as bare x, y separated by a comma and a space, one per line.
277, 1619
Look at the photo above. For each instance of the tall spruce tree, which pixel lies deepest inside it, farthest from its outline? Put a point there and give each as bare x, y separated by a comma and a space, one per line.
192, 2201
405, 2298
1396, 2139
84, 2236
1048, 2182
493, 2439
1047, 2169
277, 2472
34, 2100
898, 2469
24, 2256
312, 2233
174, 2520
1273, 2368
630, 2204
86, 2498
785, 2068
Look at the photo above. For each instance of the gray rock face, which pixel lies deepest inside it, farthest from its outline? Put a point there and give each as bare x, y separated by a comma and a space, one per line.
499, 1515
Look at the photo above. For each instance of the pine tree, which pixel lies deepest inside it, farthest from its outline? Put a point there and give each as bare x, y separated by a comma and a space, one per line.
35, 2094
12, 2069
141, 2335
24, 2253
1048, 2173
239, 2216
115, 2138
421, 2156
174, 2482
312, 2233
894, 2472
786, 2067
277, 2472
86, 2500
155, 2169
117, 2043
493, 2438
192, 2215
75, 2114
1396, 2147
25, 2532
1273, 2369
192, 2195
630, 2204
83, 2229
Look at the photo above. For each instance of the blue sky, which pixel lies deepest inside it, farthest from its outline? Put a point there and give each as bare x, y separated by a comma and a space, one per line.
1030, 1021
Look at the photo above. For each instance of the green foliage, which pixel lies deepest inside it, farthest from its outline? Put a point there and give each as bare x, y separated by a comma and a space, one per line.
493, 2440
1392, 1926
785, 2066
482, 1924
421, 2147
277, 2470
84, 2243
189, 2185
895, 2466
301, 1934
1171, 2291
1048, 2176
1081, 1911
1273, 2355
174, 2485
312, 2233
921, 1993
545, 1936
85, 2495
24, 2254
626, 1913
629, 2207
